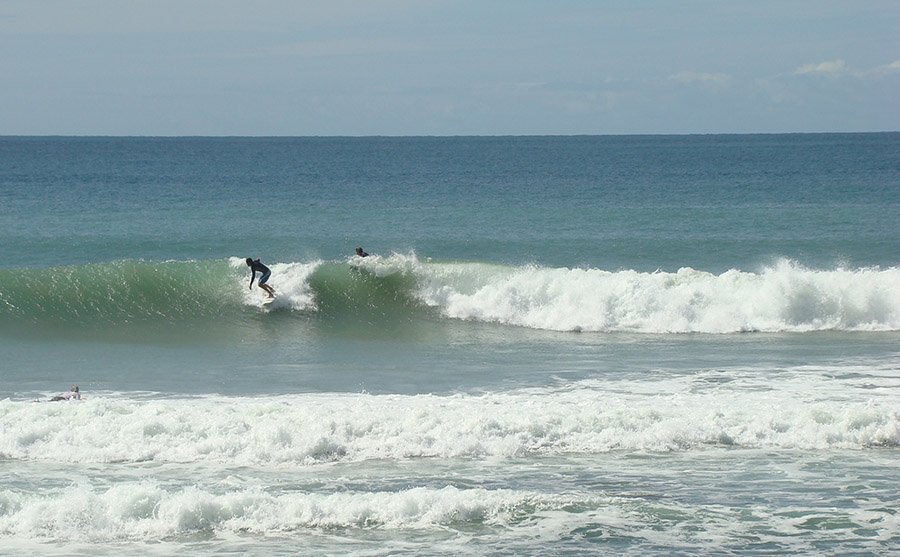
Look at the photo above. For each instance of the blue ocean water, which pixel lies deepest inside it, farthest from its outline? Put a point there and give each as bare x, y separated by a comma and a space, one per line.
567, 345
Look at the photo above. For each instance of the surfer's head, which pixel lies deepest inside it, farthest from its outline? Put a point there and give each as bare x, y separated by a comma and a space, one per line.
249, 261
74, 388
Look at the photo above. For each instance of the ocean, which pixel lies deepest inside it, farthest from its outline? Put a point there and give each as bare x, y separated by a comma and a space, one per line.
624, 345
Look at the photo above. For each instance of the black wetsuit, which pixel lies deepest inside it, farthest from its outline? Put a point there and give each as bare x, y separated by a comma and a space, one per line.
258, 267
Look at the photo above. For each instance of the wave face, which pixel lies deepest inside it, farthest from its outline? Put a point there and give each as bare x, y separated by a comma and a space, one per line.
117, 293
782, 297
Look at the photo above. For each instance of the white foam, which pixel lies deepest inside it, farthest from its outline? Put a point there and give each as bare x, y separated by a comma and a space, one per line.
786, 297
588, 417
138, 511
90, 517
383, 266
291, 283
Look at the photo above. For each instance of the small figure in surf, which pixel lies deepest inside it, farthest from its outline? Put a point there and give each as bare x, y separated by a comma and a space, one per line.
361, 253
264, 272
74, 393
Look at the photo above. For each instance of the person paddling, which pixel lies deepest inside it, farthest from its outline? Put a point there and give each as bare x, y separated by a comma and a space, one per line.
264, 272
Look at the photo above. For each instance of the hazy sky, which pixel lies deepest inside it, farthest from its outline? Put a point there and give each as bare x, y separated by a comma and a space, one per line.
445, 67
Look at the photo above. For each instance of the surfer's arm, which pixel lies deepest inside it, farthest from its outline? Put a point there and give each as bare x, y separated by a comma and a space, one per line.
252, 278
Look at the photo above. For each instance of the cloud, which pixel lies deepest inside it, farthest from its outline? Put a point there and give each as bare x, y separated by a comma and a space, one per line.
702, 78
832, 68
893, 67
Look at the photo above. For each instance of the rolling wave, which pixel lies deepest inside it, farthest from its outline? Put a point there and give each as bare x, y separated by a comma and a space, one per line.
306, 429
148, 511
782, 297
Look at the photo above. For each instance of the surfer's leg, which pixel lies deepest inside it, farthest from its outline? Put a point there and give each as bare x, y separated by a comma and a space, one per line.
262, 284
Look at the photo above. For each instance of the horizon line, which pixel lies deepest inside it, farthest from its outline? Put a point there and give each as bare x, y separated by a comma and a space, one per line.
426, 136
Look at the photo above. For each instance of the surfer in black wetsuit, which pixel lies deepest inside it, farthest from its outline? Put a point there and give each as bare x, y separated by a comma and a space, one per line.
264, 272
361, 253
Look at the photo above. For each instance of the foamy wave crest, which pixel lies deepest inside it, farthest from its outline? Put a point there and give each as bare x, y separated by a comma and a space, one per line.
785, 297
147, 511
314, 428
293, 285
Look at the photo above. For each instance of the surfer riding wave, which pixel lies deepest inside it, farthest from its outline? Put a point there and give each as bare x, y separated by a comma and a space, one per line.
265, 273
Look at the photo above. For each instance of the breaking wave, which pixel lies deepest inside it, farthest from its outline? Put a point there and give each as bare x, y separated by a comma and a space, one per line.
305, 429
782, 297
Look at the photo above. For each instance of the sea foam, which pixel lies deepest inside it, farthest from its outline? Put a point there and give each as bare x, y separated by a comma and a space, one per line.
307, 429
785, 297
148, 511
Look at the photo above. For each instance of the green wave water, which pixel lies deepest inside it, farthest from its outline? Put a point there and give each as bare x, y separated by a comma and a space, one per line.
132, 293
341, 292
118, 293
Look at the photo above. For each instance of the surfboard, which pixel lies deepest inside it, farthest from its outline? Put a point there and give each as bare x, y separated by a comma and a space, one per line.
268, 301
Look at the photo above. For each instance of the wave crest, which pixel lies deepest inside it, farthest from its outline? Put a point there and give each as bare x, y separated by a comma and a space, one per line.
785, 297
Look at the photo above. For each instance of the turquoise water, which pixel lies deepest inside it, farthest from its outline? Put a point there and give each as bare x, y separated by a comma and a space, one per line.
708, 202
632, 345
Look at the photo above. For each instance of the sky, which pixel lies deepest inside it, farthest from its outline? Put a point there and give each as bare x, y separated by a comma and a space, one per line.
447, 67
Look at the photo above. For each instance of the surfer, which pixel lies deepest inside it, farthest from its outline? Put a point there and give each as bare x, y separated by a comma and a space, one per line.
361, 253
73, 394
264, 272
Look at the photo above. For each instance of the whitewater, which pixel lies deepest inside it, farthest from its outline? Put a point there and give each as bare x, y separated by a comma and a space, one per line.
308, 464
583, 418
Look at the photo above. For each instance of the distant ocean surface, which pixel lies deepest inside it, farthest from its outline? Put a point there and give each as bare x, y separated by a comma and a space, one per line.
636, 345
